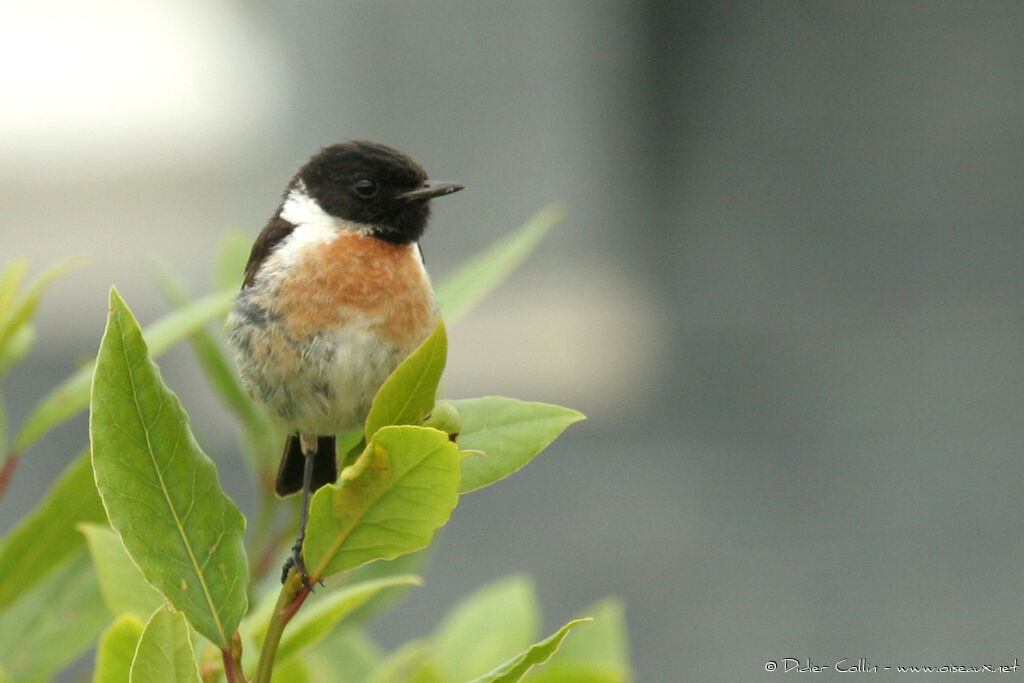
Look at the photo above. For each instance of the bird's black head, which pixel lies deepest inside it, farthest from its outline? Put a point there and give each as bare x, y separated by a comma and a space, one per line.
374, 185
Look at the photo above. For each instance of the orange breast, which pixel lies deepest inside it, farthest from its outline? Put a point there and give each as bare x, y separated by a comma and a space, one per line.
359, 275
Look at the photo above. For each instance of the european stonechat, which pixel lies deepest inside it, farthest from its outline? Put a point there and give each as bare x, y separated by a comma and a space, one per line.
335, 296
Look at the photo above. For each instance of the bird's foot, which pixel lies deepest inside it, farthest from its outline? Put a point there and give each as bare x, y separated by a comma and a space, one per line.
295, 561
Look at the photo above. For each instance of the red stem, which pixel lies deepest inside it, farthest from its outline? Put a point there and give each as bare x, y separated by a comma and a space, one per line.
229, 666
7, 470
233, 660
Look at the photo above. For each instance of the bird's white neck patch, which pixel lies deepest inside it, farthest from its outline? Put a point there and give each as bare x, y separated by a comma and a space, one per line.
314, 228
313, 224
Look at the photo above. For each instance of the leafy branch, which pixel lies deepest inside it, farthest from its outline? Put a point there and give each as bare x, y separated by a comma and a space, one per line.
137, 547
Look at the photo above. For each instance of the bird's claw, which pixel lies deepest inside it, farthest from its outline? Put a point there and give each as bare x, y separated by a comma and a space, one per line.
295, 560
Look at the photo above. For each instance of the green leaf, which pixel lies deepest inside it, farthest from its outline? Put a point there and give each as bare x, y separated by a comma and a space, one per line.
20, 344
409, 664
382, 569
48, 535
117, 649
10, 280
486, 628
165, 654
408, 394
292, 671
312, 624
72, 395
368, 589
558, 672
390, 502
17, 334
54, 622
321, 615
181, 322
160, 490
514, 669
229, 268
444, 417
124, 588
507, 433
345, 656
15, 317
471, 282
350, 445
598, 652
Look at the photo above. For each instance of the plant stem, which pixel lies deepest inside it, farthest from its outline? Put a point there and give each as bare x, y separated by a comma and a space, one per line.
7, 470
229, 666
233, 660
293, 594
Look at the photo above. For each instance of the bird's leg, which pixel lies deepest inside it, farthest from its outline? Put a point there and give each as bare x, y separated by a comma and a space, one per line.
309, 446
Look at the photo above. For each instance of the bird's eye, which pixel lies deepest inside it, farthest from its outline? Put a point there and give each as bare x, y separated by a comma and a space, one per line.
365, 188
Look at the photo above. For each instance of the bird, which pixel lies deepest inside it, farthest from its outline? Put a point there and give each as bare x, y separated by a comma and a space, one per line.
335, 296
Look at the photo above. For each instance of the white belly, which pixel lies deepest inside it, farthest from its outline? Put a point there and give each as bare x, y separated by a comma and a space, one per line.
320, 385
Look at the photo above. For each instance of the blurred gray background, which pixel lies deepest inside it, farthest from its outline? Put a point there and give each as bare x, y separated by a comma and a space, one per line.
787, 292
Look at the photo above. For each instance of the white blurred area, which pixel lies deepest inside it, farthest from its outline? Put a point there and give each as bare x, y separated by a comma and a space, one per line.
582, 341
136, 133
121, 124
102, 89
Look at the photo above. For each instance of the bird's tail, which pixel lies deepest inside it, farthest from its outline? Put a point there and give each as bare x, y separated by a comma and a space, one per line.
289, 474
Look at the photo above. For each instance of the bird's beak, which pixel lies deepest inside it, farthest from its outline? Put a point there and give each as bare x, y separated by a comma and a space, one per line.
431, 189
